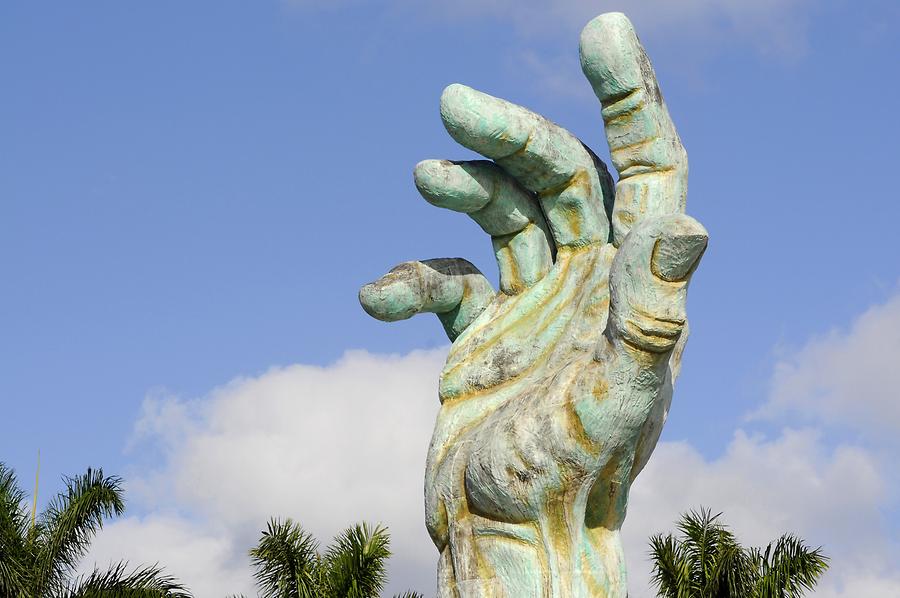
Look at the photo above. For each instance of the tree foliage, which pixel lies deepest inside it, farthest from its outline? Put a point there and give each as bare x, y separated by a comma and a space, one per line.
287, 563
707, 561
39, 558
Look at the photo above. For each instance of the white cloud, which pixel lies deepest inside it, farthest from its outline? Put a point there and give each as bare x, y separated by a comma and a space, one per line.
772, 27
864, 584
765, 488
333, 445
776, 27
692, 31
328, 446
535, 15
205, 557
544, 54
848, 378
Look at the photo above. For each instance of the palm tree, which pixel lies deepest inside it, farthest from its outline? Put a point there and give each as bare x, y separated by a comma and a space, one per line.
39, 554
288, 563
786, 568
708, 562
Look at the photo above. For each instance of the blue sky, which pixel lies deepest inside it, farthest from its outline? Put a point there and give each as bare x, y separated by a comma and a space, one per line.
193, 192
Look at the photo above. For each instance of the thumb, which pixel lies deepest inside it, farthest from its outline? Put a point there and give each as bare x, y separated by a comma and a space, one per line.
648, 283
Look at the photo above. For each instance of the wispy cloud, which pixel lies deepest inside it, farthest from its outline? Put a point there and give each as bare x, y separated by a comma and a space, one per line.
849, 378
771, 25
689, 33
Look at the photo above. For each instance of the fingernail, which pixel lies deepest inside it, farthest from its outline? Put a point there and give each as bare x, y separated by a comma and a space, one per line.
676, 253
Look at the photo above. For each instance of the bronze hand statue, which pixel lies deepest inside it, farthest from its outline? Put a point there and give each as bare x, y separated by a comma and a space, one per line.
556, 388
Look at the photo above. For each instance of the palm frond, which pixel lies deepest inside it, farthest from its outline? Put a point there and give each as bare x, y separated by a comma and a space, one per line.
286, 561
13, 535
702, 535
671, 567
69, 524
116, 582
409, 594
733, 575
707, 561
788, 568
357, 562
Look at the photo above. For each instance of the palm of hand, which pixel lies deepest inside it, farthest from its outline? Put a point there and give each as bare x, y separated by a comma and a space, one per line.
556, 388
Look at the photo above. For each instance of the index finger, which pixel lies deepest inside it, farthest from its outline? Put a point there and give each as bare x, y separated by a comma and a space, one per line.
542, 156
643, 144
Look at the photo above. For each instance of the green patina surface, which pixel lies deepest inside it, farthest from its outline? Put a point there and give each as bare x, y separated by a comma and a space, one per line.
556, 387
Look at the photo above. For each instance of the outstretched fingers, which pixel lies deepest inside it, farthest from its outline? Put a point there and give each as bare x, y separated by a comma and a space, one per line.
644, 146
452, 288
545, 158
503, 209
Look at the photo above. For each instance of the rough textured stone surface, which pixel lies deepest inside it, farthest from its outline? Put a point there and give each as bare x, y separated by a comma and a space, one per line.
556, 388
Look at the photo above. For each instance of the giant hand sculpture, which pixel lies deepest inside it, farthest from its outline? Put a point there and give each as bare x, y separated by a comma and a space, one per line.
556, 388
